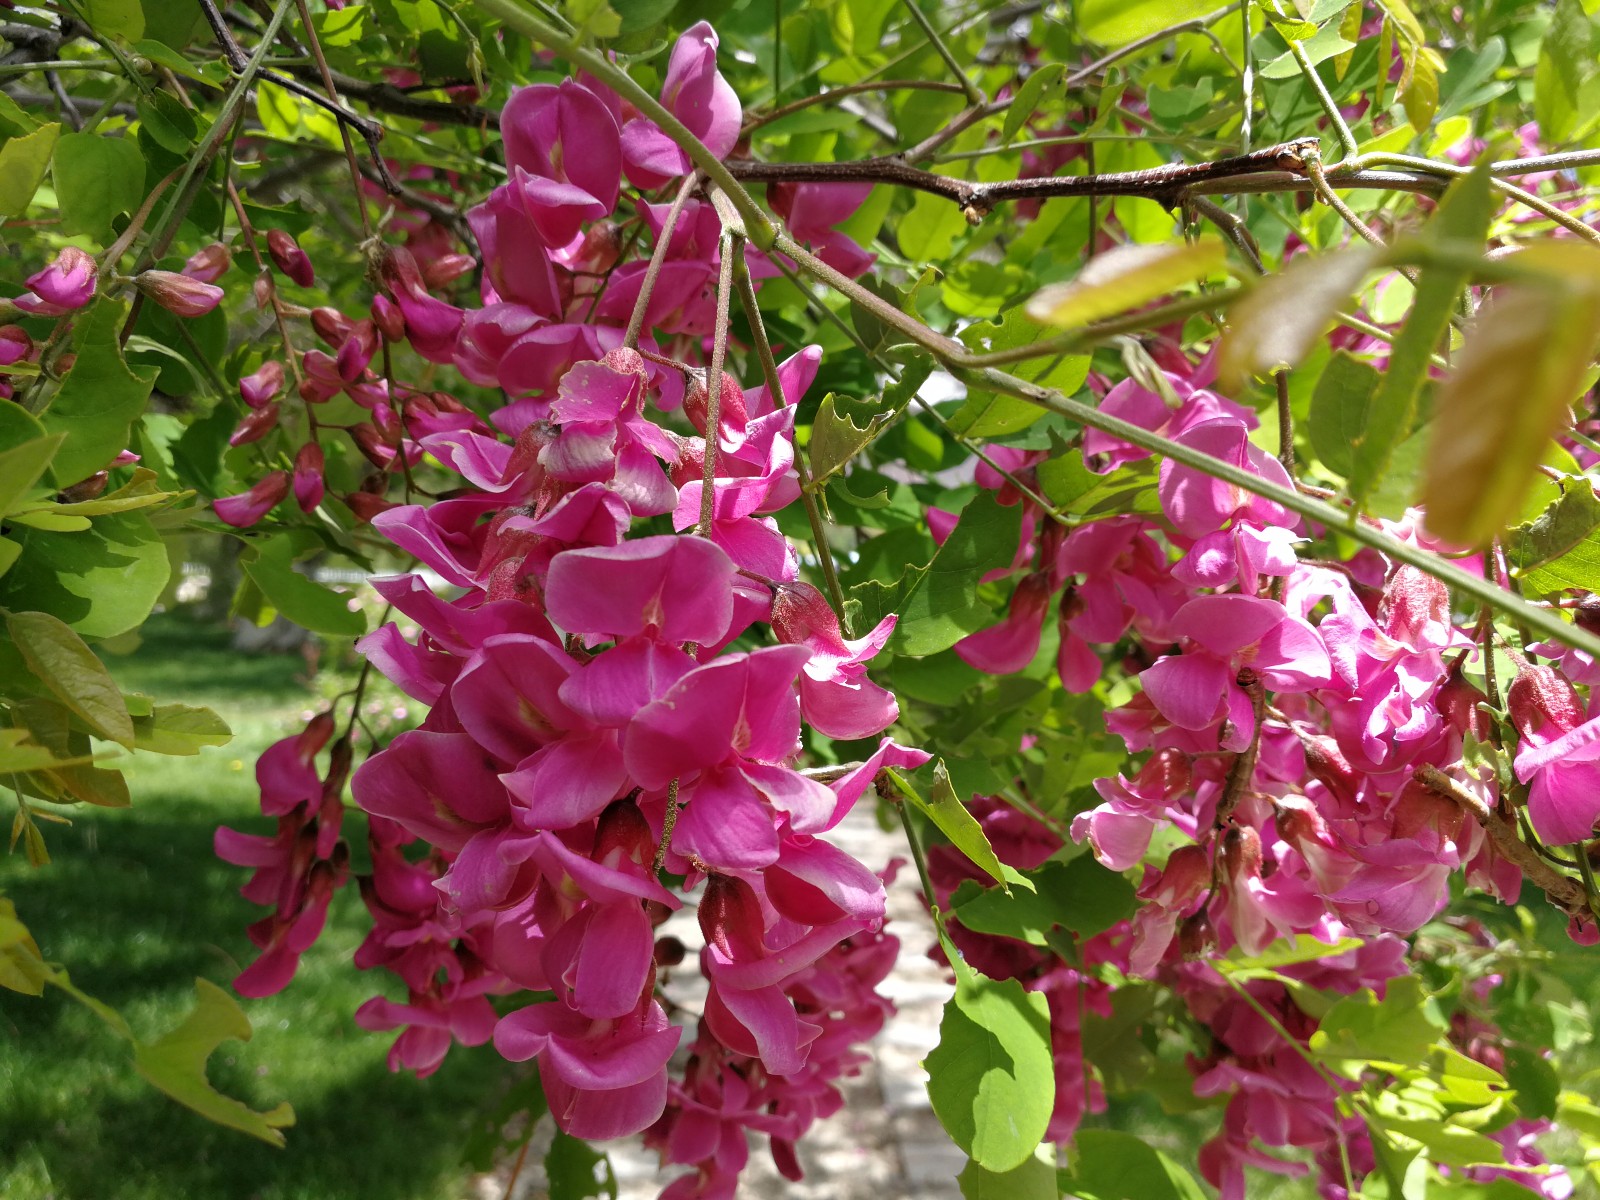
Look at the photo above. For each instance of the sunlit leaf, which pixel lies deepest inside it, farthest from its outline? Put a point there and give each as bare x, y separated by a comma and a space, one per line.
1126, 277
1284, 315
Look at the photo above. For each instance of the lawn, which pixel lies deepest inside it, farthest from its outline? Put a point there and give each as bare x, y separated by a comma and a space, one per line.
136, 906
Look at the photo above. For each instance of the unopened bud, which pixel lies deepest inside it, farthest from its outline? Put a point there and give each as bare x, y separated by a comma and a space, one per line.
262, 384
290, 259
447, 268
1543, 703
331, 325
1196, 937
257, 424
697, 402
209, 265
1241, 851
391, 322
307, 478
178, 293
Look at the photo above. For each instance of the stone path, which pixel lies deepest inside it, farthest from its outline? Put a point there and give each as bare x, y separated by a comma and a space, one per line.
885, 1143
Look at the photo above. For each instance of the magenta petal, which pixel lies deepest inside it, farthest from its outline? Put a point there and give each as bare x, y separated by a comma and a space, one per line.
439, 786
568, 782
612, 687
601, 1115
807, 803
614, 962
1564, 802
508, 697
1187, 689
726, 824
1227, 624
678, 588
780, 1037
845, 708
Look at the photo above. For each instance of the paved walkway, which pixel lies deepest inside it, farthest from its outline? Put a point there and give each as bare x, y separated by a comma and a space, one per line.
885, 1143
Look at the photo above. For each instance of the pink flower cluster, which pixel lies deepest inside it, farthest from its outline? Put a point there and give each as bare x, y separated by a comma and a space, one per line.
1285, 709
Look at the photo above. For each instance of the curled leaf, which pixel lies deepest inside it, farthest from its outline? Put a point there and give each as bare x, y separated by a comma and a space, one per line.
1276, 325
1125, 278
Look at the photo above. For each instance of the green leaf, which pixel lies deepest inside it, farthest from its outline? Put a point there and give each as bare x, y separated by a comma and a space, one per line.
1340, 408
926, 233
1302, 948
100, 397
1461, 221
994, 414
96, 177
179, 729
176, 1063
23, 161
991, 1078
59, 657
115, 18
835, 440
18, 755
1523, 363
1562, 80
1117, 22
938, 604
944, 808
1120, 1166
1035, 1179
1561, 548
269, 565
1401, 1029
102, 581
1126, 277
1080, 895
1028, 98
21, 466
576, 1171
168, 123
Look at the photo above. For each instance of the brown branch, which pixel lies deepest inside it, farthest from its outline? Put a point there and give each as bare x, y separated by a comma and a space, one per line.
1273, 168
1565, 893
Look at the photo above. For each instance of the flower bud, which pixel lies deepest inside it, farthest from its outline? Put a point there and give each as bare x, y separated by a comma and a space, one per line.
262, 289
247, 508
1457, 702
1412, 602
1587, 615
1196, 937
178, 293
730, 918
1241, 851
1543, 704
15, 344
447, 268
209, 265
370, 442
669, 951
800, 611
290, 259
356, 352
262, 384
389, 319
256, 425
366, 505
331, 325
308, 481
697, 402
86, 489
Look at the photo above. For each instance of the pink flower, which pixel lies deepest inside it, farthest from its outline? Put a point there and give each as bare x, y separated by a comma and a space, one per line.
66, 284
694, 92
261, 385
1559, 757
836, 697
247, 508
603, 1078
1228, 634
307, 479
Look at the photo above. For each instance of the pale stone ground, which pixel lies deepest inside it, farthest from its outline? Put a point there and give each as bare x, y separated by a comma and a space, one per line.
885, 1144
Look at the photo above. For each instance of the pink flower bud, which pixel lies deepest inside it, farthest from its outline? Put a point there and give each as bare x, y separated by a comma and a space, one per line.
447, 268
247, 508
357, 350
67, 283
210, 264
370, 442
1196, 937
262, 289
15, 344
178, 293
331, 325
256, 425
1241, 852
366, 505
308, 482
290, 259
1543, 703
697, 402
389, 319
262, 384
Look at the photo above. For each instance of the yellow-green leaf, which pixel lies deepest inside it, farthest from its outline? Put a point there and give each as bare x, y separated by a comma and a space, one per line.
1126, 277
1285, 314
176, 1063
23, 162
1522, 365
65, 664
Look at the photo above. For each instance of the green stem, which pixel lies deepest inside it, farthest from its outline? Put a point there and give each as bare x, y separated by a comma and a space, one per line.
1347, 140
974, 95
914, 840
509, 12
60, 64
769, 372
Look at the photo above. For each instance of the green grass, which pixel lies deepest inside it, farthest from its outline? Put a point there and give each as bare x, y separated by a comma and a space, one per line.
136, 906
